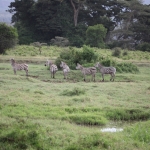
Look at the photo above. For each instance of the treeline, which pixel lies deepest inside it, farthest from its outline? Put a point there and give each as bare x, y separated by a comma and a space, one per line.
127, 22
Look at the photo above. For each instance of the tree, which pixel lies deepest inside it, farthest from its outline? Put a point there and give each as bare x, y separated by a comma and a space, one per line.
134, 26
95, 36
76, 4
8, 37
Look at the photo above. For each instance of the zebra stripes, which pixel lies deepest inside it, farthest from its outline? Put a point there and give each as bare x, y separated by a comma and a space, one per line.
65, 68
17, 66
106, 70
53, 68
87, 71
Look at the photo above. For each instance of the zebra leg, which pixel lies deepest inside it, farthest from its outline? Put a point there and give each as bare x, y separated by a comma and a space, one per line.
26, 72
103, 77
64, 75
93, 77
84, 78
14, 71
111, 77
53, 75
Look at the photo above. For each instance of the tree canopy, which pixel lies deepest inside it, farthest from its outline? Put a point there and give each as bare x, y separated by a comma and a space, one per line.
42, 20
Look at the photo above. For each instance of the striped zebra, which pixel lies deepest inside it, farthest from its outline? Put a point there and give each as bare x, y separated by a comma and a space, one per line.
87, 71
106, 70
65, 68
17, 66
53, 68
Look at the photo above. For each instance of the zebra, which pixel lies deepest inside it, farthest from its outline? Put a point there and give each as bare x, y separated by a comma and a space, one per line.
106, 70
17, 66
65, 68
53, 68
87, 71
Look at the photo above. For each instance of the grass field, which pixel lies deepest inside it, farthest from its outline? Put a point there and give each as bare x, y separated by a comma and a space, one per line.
40, 113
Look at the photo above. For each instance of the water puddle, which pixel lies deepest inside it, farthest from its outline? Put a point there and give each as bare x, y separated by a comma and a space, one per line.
111, 130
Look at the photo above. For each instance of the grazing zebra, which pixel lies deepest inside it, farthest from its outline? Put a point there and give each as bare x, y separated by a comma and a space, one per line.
65, 68
53, 68
87, 71
17, 66
106, 70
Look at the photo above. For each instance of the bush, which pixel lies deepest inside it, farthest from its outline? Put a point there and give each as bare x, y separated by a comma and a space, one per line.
95, 36
8, 37
144, 47
120, 67
116, 52
21, 136
127, 67
127, 114
73, 56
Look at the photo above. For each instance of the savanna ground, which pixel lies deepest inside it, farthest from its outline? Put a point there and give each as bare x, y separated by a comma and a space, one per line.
37, 112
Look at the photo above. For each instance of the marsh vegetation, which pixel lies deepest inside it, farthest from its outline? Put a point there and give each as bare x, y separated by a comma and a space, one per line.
38, 112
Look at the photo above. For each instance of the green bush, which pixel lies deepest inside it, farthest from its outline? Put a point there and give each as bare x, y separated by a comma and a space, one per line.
144, 47
8, 37
21, 136
95, 36
73, 56
127, 115
127, 67
120, 67
116, 52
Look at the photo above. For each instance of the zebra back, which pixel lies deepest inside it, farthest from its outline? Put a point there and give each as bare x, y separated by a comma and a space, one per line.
64, 66
106, 70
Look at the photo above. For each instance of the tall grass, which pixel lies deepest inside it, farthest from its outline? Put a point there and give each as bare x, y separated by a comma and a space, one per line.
38, 112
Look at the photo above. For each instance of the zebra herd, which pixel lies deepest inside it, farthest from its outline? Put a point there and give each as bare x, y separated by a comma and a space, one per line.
85, 71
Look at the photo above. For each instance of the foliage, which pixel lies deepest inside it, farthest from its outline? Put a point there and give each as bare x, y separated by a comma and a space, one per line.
48, 120
8, 37
74, 92
95, 36
120, 67
144, 47
126, 115
21, 136
60, 41
74, 56
139, 133
25, 35
116, 52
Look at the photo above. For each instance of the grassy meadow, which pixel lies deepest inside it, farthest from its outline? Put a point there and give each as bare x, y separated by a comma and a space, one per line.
40, 113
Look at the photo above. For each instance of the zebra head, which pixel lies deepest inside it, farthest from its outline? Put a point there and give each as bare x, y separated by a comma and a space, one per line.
62, 64
47, 63
12, 61
78, 66
97, 64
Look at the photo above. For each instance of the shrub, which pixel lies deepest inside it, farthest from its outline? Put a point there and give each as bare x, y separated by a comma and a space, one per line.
22, 136
144, 47
8, 37
116, 52
127, 67
125, 53
95, 36
73, 56
126, 115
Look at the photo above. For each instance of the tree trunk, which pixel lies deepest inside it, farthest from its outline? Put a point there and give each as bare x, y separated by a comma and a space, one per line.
76, 12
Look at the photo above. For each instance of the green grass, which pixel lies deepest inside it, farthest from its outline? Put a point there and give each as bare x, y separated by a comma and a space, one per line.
37, 112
